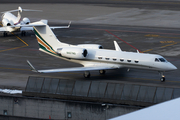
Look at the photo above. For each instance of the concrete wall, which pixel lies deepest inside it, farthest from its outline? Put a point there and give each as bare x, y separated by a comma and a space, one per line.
56, 109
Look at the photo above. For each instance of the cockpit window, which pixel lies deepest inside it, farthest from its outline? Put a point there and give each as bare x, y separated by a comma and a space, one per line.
156, 60
162, 59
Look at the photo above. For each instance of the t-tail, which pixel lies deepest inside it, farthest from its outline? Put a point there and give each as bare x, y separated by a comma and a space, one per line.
47, 40
18, 16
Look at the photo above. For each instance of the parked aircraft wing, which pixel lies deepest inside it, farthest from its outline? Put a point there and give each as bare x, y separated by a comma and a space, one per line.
3, 29
75, 69
26, 28
41, 23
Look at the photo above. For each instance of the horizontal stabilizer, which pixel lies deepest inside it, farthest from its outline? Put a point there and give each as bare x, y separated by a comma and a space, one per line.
55, 27
20, 9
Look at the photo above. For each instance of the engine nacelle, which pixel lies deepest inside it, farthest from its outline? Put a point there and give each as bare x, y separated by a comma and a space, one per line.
73, 52
92, 46
6, 22
26, 20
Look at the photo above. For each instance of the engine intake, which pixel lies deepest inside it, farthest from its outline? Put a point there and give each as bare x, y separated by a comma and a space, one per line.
73, 52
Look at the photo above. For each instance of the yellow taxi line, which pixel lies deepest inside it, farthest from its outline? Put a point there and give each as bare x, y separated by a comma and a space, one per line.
17, 38
14, 68
12, 48
161, 37
20, 39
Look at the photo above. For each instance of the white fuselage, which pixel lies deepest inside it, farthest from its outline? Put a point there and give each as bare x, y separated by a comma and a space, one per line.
9, 18
122, 59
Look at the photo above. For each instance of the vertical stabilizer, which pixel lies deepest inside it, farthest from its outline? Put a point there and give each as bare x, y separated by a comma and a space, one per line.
46, 39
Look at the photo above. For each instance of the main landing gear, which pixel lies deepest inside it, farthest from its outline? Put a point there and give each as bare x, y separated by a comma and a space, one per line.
162, 79
5, 34
87, 73
23, 33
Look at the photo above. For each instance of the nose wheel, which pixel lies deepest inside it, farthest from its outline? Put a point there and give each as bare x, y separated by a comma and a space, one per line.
162, 79
102, 72
87, 74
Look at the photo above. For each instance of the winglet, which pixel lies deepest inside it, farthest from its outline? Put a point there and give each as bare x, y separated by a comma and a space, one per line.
117, 46
69, 24
31, 66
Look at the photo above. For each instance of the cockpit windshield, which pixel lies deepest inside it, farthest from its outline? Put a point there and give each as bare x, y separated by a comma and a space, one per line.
160, 60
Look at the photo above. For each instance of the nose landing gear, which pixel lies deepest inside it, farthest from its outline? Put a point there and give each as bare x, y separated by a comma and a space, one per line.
87, 74
162, 79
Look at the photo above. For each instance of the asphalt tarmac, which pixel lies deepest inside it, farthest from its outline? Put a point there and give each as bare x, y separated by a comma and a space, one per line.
86, 28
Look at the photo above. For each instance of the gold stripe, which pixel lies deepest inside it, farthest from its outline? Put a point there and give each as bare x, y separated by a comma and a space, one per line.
47, 47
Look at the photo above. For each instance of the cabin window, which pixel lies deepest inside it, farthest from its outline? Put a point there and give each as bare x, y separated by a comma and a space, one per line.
114, 59
107, 58
162, 59
99, 57
129, 60
136, 61
156, 60
121, 59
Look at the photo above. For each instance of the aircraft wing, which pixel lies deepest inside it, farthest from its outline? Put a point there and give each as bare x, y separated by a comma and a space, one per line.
75, 69
3, 29
26, 28
41, 23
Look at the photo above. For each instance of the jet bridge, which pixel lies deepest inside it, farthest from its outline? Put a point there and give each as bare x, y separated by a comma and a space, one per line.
99, 91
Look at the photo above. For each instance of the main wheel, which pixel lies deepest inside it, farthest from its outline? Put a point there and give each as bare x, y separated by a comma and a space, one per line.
5, 34
102, 71
162, 79
23, 33
87, 74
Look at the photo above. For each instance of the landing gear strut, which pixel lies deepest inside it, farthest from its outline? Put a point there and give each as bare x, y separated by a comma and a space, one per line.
162, 79
87, 74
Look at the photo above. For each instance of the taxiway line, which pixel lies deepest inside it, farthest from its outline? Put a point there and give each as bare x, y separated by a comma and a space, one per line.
15, 47
152, 2
122, 40
20, 39
14, 68
129, 31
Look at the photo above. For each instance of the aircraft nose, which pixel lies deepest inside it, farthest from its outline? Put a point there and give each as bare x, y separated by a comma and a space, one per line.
172, 67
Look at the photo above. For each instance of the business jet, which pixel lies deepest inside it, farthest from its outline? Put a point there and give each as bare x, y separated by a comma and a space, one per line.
11, 23
94, 57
